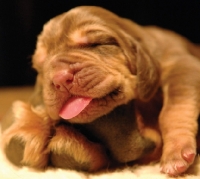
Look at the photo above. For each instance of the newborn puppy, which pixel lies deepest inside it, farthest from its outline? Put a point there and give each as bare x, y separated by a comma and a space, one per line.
37, 136
104, 61
90, 62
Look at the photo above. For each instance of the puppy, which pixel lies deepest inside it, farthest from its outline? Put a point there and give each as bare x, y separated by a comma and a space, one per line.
90, 62
36, 137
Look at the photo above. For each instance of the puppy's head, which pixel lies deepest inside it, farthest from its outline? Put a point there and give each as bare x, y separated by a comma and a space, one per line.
88, 62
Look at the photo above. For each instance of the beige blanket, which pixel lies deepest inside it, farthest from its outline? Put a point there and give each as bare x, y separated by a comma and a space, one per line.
8, 171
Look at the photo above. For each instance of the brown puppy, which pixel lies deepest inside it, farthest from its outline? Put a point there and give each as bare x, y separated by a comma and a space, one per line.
99, 54
37, 138
97, 61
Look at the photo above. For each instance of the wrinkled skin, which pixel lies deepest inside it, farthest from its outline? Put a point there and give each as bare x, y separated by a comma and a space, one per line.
91, 52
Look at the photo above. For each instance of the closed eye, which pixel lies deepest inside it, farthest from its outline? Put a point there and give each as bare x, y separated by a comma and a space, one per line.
97, 38
100, 42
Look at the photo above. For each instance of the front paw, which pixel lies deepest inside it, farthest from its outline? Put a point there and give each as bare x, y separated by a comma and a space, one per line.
14, 151
25, 141
29, 151
71, 150
178, 156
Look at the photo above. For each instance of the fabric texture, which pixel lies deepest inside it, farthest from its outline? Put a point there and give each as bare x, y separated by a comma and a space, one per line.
8, 171
151, 171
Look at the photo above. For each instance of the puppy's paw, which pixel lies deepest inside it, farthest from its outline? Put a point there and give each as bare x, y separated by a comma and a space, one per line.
71, 150
29, 150
14, 151
176, 159
25, 141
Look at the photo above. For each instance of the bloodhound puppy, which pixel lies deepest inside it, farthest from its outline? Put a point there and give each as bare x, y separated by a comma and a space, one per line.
107, 89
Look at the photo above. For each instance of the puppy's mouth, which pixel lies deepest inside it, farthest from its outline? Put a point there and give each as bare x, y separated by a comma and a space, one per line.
74, 106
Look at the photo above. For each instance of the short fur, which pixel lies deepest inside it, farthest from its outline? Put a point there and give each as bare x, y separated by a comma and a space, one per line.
92, 52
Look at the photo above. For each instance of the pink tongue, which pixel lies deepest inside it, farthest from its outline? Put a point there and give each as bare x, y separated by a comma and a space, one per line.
74, 106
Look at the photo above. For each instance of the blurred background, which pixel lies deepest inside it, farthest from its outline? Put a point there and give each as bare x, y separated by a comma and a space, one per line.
22, 20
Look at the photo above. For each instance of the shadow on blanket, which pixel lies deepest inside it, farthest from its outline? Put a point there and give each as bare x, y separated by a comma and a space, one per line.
8, 171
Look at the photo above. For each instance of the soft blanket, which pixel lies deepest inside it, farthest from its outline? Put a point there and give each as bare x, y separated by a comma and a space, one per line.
151, 171
8, 171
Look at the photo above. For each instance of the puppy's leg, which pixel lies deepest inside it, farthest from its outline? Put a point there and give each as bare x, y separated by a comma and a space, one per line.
178, 126
25, 141
71, 150
152, 134
178, 118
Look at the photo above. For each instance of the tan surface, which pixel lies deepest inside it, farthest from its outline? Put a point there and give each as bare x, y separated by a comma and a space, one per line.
8, 95
7, 171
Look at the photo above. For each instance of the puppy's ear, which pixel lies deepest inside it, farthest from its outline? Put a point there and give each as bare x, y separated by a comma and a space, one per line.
148, 75
39, 55
142, 64
38, 59
37, 96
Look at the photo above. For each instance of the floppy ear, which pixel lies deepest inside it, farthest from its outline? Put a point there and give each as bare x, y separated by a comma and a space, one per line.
39, 55
38, 59
148, 75
142, 64
37, 96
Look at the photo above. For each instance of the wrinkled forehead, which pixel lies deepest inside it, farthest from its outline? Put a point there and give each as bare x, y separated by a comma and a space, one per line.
79, 26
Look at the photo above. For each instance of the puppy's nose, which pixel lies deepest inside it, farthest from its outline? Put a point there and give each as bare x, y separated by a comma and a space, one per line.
62, 79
